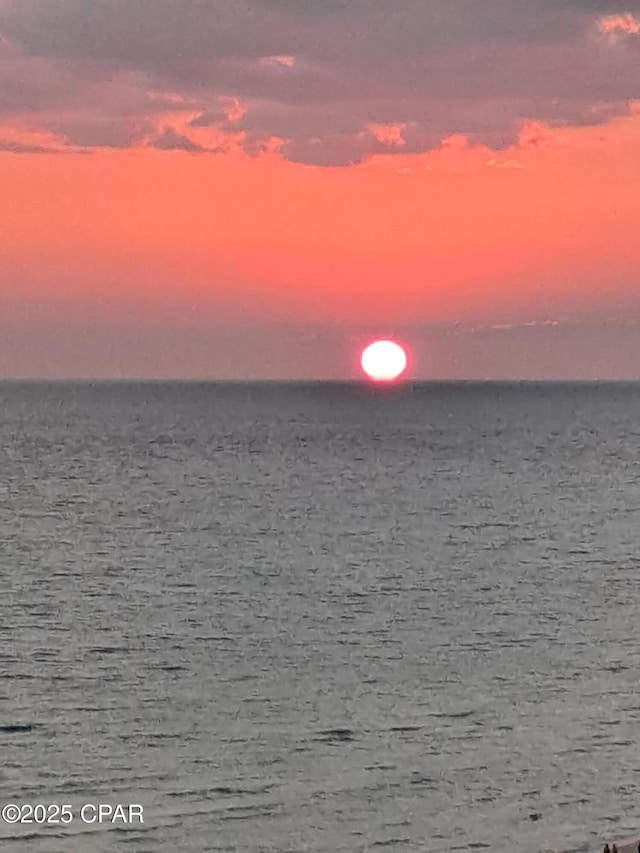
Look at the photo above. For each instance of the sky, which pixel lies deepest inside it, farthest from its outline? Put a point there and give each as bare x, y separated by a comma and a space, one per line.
254, 189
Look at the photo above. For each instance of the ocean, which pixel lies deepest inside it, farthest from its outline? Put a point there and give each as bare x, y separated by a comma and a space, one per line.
320, 617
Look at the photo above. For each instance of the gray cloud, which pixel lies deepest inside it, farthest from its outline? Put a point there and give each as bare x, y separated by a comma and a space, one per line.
169, 140
461, 66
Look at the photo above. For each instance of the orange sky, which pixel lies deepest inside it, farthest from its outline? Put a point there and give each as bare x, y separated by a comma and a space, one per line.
104, 249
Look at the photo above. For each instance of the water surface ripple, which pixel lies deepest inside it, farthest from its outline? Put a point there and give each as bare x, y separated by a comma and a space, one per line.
321, 618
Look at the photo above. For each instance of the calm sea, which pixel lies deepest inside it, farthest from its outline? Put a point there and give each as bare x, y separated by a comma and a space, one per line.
321, 617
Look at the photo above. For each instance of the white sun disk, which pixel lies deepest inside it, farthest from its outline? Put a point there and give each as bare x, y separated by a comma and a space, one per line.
383, 361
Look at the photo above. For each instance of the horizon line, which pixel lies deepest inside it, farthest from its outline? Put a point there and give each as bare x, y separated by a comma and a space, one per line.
402, 383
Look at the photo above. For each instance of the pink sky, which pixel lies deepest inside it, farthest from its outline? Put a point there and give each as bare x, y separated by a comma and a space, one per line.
261, 202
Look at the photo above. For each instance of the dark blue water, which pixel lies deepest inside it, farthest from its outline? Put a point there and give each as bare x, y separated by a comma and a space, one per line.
321, 617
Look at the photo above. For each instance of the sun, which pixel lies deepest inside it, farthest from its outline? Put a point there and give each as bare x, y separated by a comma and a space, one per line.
384, 360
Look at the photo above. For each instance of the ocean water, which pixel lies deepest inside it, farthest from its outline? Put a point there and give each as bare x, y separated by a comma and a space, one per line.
321, 617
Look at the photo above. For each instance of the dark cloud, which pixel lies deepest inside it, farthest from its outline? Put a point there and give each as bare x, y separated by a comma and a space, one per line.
588, 7
170, 140
461, 66
139, 33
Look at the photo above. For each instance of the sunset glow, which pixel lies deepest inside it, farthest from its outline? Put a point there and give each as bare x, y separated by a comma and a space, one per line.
266, 200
